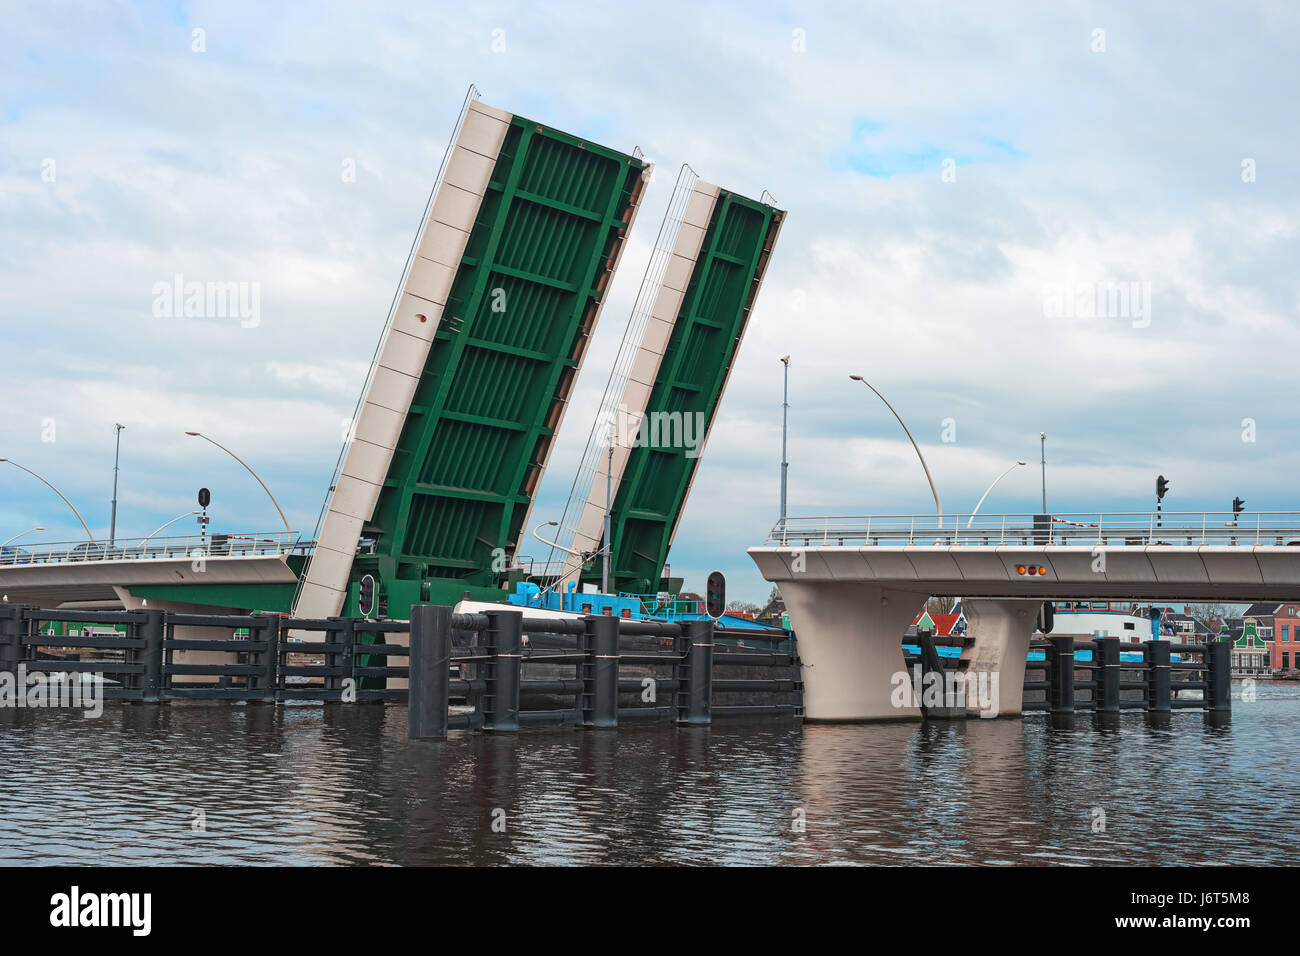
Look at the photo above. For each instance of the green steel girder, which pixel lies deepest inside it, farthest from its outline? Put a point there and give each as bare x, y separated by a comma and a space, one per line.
691, 378
493, 388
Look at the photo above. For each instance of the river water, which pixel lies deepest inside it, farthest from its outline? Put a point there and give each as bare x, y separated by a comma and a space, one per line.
221, 783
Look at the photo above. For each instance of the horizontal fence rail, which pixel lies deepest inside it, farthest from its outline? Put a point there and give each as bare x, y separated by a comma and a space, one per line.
501, 670
496, 670
1116, 676
1117, 529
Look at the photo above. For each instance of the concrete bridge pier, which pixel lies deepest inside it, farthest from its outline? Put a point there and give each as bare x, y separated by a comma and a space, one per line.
850, 636
999, 630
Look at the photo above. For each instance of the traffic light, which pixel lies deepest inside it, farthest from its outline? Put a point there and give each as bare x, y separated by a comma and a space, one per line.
366, 599
1047, 617
1162, 486
715, 595
1238, 506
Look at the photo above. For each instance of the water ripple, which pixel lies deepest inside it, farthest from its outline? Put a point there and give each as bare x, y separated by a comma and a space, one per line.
221, 784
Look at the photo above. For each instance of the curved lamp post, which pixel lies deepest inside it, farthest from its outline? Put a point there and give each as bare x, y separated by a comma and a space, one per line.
582, 556
553, 544
56, 491
21, 533
250, 471
990, 488
937, 506
168, 525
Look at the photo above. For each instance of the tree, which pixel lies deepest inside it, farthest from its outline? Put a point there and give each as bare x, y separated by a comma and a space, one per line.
743, 606
775, 595
941, 605
1211, 615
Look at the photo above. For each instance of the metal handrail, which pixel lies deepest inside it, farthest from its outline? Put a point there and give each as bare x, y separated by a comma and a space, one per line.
1109, 529
253, 544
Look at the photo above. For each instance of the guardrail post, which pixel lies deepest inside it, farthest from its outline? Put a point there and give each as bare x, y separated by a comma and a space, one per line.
1218, 676
600, 671
11, 638
504, 638
1158, 676
429, 671
152, 629
1105, 657
694, 673
343, 632
267, 630
1060, 674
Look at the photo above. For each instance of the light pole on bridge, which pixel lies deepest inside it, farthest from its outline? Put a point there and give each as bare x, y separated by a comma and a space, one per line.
250, 471
21, 533
1014, 465
937, 506
57, 492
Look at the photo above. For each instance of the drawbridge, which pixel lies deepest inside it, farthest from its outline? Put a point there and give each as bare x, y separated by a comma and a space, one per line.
520, 240
666, 386
502, 291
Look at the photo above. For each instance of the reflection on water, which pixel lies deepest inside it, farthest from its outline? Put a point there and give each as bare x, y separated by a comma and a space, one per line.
343, 785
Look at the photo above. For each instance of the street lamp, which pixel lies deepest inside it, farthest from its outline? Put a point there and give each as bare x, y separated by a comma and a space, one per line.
1042, 440
21, 533
785, 412
56, 491
581, 556
937, 506
250, 471
168, 525
990, 488
117, 452
554, 544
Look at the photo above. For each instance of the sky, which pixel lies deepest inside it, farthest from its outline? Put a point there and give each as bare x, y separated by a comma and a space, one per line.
964, 182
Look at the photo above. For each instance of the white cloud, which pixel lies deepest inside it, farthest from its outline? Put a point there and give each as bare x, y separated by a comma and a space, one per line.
225, 166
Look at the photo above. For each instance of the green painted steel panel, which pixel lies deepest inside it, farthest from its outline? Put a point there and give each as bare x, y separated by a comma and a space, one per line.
522, 306
692, 375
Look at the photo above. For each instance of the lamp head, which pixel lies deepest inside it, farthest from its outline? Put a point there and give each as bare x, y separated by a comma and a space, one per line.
785, 360
857, 378
192, 433
1022, 463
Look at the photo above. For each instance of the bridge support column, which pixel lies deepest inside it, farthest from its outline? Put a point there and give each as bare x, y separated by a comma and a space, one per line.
850, 635
999, 630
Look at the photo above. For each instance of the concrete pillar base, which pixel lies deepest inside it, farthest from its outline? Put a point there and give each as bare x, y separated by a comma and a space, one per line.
995, 675
850, 635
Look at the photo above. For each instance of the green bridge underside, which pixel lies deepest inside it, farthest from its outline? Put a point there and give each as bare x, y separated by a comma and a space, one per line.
691, 378
521, 309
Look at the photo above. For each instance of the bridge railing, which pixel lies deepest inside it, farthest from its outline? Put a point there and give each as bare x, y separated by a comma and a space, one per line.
247, 544
1113, 529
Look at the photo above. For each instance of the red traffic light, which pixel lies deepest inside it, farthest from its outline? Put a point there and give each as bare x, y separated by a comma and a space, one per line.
366, 595
715, 595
